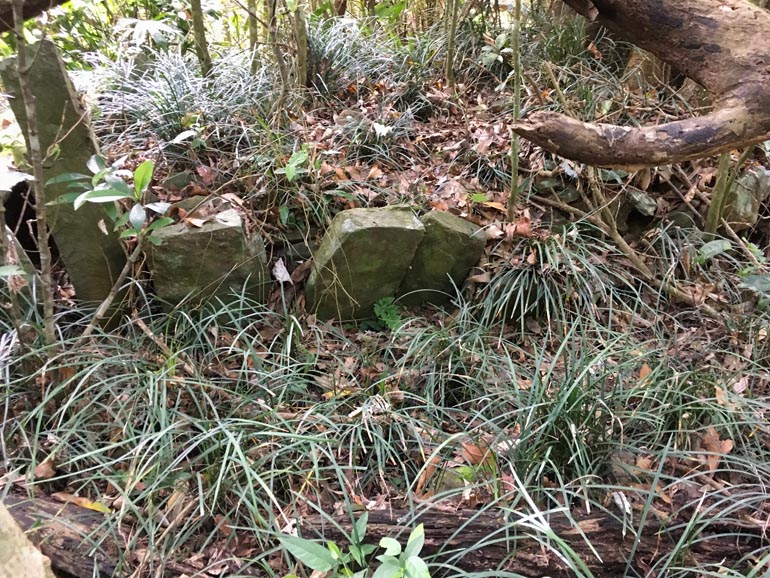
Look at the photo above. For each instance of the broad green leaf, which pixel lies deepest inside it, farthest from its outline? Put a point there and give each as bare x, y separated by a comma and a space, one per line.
712, 249
159, 207
357, 554
120, 221
310, 553
159, 223
359, 530
299, 157
415, 542
757, 283
8, 270
155, 240
283, 213
334, 550
99, 196
128, 233
390, 568
416, 568
137, 216
66, 178
392, 547
112, 211
65, 199
118, 184
96, 164
290, 171
143, 176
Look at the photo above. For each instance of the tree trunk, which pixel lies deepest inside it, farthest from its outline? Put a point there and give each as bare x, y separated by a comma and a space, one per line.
720, 44
199, 33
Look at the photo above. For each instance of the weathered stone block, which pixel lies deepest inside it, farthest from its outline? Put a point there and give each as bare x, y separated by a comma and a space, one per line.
745, 198
93, 259
447, 251
363, 257
216, 259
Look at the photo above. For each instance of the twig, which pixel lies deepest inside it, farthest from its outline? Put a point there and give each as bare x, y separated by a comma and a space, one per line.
186, 364
107, 303
731, 232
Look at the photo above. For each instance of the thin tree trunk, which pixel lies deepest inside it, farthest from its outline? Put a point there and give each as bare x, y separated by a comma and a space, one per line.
38, 186
199, 33
253, 33
272, 29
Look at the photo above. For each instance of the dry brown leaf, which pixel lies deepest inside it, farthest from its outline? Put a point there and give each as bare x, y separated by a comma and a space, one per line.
45, 470
68, 498
644, 372
717, 448
495, 205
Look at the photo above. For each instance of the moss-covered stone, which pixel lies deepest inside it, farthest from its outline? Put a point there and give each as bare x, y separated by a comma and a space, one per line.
93, 258
448, 250
745, 198
215, 259
363, 257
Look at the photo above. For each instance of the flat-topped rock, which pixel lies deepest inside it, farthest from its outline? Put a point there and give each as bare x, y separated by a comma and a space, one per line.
217, 259
363, 257
449, 249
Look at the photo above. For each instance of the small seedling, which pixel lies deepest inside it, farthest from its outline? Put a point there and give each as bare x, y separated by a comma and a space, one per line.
388, 313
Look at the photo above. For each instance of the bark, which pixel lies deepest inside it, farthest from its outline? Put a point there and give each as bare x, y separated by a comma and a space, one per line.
476, 542
67, 535
720, 44
20, 557
31, 9
199, 33
79, 542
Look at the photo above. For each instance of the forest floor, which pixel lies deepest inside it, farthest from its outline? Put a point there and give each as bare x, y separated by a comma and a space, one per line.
561, 384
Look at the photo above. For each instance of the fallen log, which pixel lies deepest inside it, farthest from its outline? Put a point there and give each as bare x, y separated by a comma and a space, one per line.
484, 541
81, 542
720, 44
75, 539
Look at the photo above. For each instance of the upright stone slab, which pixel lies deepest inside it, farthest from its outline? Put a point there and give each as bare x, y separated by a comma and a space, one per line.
93, 259
745, 198
216, 259
363, 257
448, 250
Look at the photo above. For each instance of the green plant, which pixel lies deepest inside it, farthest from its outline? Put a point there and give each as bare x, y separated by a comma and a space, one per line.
107, 186
331, 558
406, 564
388, 313
394, 563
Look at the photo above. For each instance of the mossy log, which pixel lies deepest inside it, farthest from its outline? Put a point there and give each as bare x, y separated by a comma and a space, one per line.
720, 44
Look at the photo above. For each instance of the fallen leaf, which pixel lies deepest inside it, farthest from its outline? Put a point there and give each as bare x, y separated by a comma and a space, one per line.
495, 205
280, 272
45, 470
68, 498
717, 448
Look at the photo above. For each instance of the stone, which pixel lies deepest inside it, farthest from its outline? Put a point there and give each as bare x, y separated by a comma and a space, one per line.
92, 258
745, 198
217, 259
363, 257
449, 249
